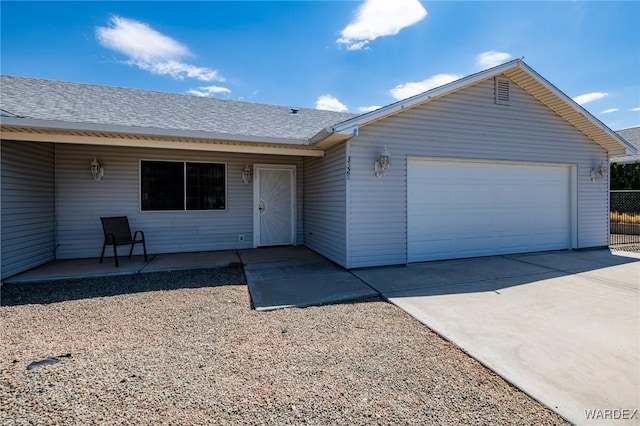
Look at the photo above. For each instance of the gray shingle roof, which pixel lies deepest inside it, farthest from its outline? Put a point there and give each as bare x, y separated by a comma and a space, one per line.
86, 103
631, 135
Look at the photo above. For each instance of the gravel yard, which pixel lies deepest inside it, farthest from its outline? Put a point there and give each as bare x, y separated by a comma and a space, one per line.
185, 348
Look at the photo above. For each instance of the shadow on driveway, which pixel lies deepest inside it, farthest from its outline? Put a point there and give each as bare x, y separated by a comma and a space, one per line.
488, 273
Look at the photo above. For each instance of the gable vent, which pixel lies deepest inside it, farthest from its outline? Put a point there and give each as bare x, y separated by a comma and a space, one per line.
503, 96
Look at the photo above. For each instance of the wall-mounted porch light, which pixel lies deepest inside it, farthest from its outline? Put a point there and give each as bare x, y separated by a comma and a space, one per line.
382, 164
246, 174
599, 172
96, 170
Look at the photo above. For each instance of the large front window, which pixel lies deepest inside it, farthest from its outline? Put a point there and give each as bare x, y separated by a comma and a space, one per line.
179, 185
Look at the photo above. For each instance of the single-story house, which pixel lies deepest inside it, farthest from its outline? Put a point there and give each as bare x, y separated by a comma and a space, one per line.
497, 162
632, 136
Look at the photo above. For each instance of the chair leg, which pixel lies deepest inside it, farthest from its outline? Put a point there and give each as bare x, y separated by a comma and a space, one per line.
104, 246
144, 248
131, 250
115, 254
141, 240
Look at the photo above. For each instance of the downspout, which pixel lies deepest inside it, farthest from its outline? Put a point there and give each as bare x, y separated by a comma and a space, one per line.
347, 206
55, 202
0, 212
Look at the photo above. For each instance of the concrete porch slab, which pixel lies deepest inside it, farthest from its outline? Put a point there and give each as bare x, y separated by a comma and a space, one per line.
92, 268
197, 260
65, 269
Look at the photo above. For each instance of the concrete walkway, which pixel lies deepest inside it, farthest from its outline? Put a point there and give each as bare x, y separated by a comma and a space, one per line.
281, 277
562, 326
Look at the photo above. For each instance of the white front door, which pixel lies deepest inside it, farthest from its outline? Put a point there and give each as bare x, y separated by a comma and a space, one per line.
274, 205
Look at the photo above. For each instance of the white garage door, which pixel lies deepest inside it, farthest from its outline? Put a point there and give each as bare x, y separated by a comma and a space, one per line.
466, 209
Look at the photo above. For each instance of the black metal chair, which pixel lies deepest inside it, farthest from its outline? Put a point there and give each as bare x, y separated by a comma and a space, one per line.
118, 233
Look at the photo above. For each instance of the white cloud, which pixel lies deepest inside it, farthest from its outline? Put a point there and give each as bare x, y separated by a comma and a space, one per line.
610, 110
406, 90
589, 97
150, 50
369, 108
179, 70
330, 103
209, 91
491, 59
635, 109
139, 41
378, 18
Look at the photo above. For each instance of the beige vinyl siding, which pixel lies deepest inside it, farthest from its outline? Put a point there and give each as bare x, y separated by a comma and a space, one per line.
28, 206
467, 125
81, 201
325, 204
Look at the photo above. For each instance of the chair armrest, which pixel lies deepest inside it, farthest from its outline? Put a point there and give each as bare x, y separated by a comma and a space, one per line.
135, 235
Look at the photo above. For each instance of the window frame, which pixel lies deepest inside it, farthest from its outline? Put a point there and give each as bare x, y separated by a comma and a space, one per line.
184, 185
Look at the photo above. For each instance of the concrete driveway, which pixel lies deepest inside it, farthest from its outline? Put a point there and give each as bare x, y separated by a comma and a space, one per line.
562, 326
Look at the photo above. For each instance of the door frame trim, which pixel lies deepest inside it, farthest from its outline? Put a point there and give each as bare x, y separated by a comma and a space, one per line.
256, 200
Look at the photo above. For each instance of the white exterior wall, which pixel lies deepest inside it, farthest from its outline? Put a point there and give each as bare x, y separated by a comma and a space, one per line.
325, 203
28, 206
81, 201
468, 125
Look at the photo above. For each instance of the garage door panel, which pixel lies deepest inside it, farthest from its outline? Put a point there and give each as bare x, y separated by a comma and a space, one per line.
466, 209
467, 197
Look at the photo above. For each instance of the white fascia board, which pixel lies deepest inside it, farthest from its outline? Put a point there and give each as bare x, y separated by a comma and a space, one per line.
625, 160
321, 135
30, 123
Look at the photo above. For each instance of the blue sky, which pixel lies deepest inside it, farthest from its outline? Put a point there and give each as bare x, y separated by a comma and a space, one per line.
340, 55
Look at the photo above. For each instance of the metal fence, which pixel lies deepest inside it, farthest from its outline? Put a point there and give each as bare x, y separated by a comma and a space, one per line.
625, 219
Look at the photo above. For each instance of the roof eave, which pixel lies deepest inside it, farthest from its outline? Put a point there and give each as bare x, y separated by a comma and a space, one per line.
125, 136
321, 135
623, 148
39, 124
620, 147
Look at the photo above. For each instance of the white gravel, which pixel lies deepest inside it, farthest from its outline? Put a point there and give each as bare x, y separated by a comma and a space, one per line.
185, 348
